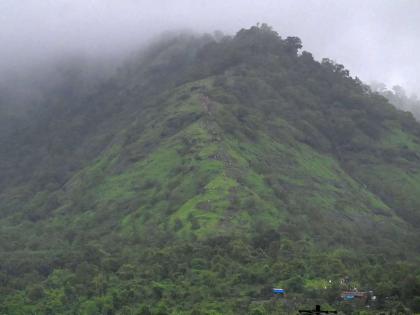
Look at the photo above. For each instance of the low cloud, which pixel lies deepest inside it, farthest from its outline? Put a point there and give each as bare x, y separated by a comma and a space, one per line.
376, 39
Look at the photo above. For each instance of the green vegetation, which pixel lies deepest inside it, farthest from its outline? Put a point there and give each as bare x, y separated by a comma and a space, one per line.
203, 174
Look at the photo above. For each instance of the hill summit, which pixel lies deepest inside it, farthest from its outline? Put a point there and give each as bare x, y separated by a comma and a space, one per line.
206, 171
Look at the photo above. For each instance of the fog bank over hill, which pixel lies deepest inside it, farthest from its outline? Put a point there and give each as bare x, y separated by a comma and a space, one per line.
376, 40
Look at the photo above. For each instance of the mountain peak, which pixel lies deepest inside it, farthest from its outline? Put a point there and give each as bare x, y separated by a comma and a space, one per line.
203, 173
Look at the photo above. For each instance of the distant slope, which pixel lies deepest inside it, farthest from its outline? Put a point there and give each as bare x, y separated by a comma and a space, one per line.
201, 175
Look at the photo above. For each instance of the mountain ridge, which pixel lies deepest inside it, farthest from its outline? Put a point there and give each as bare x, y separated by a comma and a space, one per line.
242, 163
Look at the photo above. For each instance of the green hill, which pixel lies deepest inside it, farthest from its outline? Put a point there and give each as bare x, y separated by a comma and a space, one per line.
202, 174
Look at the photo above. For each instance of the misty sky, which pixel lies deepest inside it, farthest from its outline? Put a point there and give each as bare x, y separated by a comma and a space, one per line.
375, 39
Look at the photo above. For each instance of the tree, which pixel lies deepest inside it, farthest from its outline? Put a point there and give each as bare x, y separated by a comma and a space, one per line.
293, 44
415, 305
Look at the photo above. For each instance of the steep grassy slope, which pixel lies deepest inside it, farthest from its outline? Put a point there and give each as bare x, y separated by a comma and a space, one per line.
193, 182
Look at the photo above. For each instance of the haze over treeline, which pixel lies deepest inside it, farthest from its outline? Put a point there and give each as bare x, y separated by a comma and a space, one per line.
376, 40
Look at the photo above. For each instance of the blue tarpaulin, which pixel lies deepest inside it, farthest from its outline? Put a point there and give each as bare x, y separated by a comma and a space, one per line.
278, 291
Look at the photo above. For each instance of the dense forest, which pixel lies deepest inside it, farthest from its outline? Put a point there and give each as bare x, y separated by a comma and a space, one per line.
200, 174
